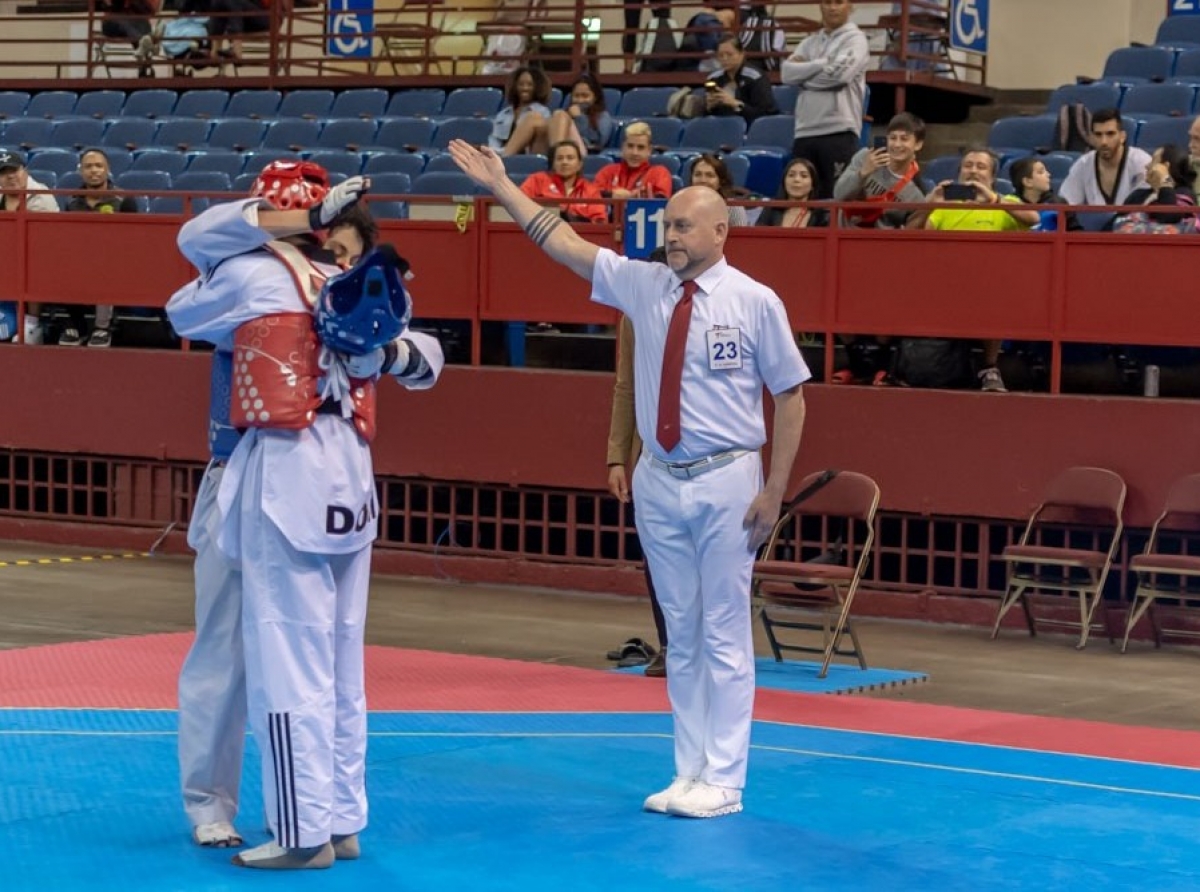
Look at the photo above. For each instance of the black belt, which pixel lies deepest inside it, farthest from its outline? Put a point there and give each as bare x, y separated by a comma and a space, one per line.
330, 407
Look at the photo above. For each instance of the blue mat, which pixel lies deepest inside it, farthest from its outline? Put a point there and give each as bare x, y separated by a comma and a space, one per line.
801, 677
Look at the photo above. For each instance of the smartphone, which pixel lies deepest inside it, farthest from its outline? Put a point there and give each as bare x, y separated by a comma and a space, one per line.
711, 86
959, 192
881, 142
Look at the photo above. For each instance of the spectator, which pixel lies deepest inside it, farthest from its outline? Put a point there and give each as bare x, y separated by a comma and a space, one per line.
698, 45
564, 180
99, 196
634, 176
1170, 178
1194, 145
977, 170
762, 39
660, 12
234, 20
829, 69
1031, 179
799, 183
885, 175
711, 171
521, 125
586, 121
19, 190
1110, 171
127, 19
739, 89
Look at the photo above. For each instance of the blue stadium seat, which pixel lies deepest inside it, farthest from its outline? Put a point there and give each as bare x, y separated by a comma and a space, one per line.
1004, 187
402, 133
237, 134
645, 102
389, 184
473, 130
524, 164
182, 134
130, 133
28, 133
394, 162
1028, 133
149, 104
58, 161
612, 99
941, 168
672, 161
257, 159
99, 104
244, 181
70, 180
556, 99
170, 163
1138, 64
51, 104
77, 133
306, 104
201, 181
1178, 30
1158, 99
665, 131
593, 163
1094, 96
293, 134
472, 102
764, 169
253, 104
443, 183
1161, 132
202, 104
720, 132
347, 134
228, 163
365, 102
167, 204
348, 164
13, 103
119, 160
443, 163
772, 132
47, 178
144, 181
785, 97
424, 102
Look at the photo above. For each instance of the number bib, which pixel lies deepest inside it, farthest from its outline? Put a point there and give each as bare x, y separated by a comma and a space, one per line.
724, 348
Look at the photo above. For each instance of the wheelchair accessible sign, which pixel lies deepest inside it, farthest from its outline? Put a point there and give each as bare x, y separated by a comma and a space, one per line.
969, 26
350, 25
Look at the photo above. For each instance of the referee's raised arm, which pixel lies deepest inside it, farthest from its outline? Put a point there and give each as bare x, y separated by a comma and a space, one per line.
543, 225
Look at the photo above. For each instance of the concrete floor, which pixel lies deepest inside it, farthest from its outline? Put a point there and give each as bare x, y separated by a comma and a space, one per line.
56, 602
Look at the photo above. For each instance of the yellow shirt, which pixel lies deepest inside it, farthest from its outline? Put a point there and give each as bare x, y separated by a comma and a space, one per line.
973, 219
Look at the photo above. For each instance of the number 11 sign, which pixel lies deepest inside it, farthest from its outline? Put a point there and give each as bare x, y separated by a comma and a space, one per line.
643, 226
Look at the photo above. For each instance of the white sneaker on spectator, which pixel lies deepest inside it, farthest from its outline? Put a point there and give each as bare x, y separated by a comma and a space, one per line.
100, 337
706, 801
217, 835
659, 801
991, 382
272, 856
70, 338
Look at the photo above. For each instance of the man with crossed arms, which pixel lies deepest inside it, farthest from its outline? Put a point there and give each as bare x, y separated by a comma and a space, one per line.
708, 338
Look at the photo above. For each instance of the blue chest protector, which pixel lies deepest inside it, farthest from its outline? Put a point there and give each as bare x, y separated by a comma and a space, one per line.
367, 306
223, 437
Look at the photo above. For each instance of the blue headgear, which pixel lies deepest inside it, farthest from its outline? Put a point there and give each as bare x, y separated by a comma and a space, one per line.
367, 306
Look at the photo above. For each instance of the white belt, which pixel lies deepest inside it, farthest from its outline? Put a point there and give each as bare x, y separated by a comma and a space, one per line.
685, 470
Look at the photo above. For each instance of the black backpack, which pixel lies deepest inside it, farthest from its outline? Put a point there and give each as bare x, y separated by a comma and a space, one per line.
932, 362
1073, 133
661, 41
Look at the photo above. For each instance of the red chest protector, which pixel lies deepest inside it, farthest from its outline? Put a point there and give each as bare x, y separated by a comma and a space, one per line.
276, 373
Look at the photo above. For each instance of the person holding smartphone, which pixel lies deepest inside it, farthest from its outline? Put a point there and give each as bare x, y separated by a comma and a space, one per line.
738, 89
888, 173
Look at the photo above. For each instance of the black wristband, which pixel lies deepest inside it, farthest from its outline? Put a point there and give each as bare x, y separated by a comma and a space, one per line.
314, 217
390, 353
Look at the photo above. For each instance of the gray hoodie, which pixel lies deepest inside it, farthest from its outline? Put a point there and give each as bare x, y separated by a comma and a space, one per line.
851, 186
832, 81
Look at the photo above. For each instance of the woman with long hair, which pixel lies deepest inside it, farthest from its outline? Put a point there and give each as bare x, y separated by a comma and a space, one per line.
798, 184
565, 180
1169, 198
521, 125
585, 121
711, 171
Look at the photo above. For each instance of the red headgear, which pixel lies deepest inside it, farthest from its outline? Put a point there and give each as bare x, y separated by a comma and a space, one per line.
291, 185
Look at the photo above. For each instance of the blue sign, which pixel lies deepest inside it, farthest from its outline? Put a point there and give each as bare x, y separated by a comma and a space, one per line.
969, 26
643, 226
1183, 7
350, 25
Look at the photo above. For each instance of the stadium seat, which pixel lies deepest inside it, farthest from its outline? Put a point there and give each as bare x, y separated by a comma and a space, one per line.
309, 104
444, 163
1030, 133
1158, 99
665, 132
764, 170
645, 102
724, 133
524, 164
144, 181
612, 99
772, 132
365, 102
942, 168
27, 133
293, 134
473, 130
424, 102
55, 160
237, 134
785, 97
51, 104
1178, 30
182, 133
1138, 64
47, 178
149, 104
1094, 96
119, 160
347, 134
253, 104
99, 104
394, 162
70, 180
257, 159
243, 182
201, 104
130, 133
389, 184
593, 163
399, 134
1057, 163
556, 99
170, 163
169, 204
443, 183
348, 164
77, 133
13, 104
472, 102
1162, 131
201, 181
228, 163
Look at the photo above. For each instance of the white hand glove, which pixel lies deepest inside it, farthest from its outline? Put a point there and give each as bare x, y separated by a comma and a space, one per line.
367, 366
345, 194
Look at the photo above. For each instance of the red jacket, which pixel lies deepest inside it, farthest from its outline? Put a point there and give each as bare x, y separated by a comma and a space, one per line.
647, 181
550, 185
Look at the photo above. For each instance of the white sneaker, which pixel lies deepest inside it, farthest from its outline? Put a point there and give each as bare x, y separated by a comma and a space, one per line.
659, 801
217, 835
272, 856
706, 801
991, 382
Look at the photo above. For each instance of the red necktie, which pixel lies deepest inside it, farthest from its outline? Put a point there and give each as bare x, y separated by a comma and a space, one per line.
672, 370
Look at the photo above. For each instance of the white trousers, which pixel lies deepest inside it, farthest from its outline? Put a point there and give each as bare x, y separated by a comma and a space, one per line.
302, 621
212, 682
700, 557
